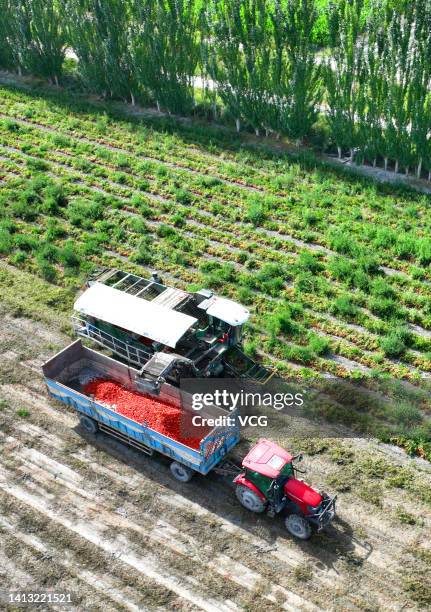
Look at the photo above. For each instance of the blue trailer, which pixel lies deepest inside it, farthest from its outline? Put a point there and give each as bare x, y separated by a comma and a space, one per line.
66, 375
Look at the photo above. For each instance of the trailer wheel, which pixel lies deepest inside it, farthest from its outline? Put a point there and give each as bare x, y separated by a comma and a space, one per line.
89, 425
298, 526
249, 499
181, 472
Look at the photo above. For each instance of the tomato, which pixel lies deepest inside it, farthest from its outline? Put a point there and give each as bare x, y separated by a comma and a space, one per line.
164, 418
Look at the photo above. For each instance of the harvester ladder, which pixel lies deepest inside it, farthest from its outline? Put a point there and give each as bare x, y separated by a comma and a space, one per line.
132, 354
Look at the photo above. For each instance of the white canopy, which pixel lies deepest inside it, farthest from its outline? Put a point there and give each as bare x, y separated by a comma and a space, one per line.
226, 310
135, 314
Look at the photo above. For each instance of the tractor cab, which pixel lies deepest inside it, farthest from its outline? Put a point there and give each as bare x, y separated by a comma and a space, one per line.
269, 483
269, 467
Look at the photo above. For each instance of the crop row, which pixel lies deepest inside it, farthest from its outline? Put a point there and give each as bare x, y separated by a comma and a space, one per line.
42, 246
278, 347
324, 285
340, 268
312, 207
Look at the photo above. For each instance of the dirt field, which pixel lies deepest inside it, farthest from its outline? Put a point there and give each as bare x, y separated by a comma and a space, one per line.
111, 526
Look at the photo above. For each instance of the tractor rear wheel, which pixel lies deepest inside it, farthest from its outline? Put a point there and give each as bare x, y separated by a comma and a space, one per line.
181, 472
249, 499
298, 526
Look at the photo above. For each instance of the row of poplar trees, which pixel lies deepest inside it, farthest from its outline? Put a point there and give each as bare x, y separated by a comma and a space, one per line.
257, 59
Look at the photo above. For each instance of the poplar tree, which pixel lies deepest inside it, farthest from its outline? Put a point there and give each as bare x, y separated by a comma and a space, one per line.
99, 33
344, 72
420, 86
238, 54
8, 59
296, 77
373, 90
17, 35
165, 50
46, 38
397, 71
32, 37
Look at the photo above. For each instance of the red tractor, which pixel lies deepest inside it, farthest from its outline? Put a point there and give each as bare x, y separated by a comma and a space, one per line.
269, 483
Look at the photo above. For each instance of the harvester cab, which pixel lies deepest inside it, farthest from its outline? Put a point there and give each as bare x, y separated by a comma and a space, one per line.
224, 318
268, 482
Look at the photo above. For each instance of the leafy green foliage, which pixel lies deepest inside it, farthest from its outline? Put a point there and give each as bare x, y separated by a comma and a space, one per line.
396, 342
345, 307
308, 262
255, 213
384, 307
165, 50
83, 213
6, 243
46, 269
32, 37
216, 273
318, 344
183, 196
69, 256
283, 320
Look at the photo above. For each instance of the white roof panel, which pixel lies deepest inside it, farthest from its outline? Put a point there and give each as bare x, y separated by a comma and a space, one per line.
226, 310
135, 314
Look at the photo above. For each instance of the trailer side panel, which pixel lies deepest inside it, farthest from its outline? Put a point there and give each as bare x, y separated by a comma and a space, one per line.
62, 371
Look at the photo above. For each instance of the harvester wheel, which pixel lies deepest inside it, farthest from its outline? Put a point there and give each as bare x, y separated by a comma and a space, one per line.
181, 472
89, 425
298, 526
249, 499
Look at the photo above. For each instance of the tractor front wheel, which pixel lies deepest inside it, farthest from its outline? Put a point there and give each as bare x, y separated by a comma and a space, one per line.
298, 526
249, 499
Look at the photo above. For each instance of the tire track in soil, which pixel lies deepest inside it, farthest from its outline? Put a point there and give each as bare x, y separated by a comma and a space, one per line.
101, 585
46, 470
90, 530
35, 464
23, 395
374, 567
12, 575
